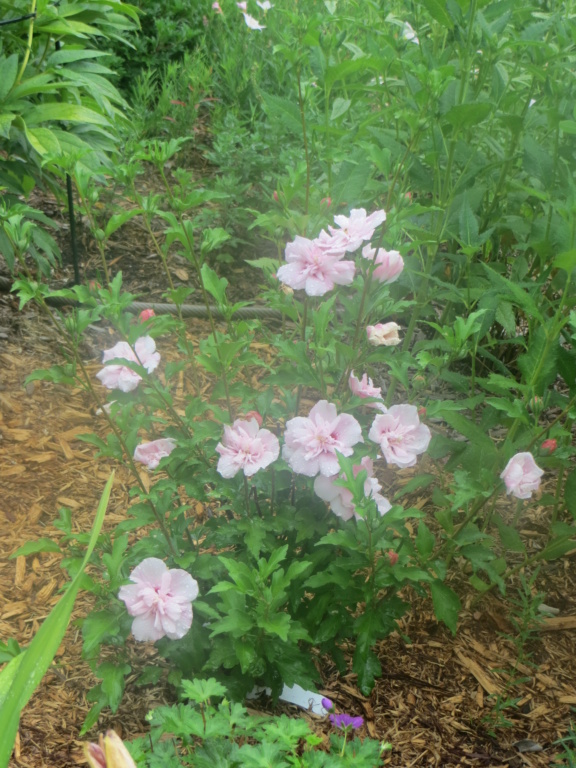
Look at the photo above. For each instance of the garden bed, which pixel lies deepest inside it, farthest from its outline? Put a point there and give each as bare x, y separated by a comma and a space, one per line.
434, 700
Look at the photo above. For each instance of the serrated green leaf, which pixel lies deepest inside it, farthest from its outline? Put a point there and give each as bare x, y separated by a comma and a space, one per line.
40, 545
465, 116
446, 604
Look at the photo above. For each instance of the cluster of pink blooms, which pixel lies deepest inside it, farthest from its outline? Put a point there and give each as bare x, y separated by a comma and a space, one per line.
316, 266
160, 599
120, 376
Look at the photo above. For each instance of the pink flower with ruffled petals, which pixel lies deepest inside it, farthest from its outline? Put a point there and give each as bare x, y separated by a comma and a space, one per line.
160, 599
522, 476
121, 377
364, 388
311, 442
389, 264
340, 499
151, 453
383, 334
311, 268
356, 228
246, 447
400, 435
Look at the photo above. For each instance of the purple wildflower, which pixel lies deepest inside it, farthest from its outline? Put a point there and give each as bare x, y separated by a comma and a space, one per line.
346, 721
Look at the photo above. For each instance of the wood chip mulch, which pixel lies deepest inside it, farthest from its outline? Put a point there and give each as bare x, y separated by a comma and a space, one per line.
436, 694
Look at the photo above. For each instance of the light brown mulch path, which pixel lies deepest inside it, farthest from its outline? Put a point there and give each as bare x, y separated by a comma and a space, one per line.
434, 693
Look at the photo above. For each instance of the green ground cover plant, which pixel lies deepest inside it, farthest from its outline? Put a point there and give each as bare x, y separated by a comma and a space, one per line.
411, 172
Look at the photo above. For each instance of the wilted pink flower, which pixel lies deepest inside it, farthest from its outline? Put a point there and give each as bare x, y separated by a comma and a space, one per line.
311, 268
160, 599
522, 476
356, 228
246, 447
146, 314
400, 435
549, 445
392, 557
389, 263
311, 443
110, 752
383, 334
121, 377
151, 453
243, 6
216, 7
340, 499
364, 387
252, 23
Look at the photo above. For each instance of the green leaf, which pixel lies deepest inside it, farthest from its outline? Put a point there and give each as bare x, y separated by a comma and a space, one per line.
437, 9
465, 116
446, 604
509, 536
39, 654
540, 364
57, 112
201, 691
425, 541
277, 624
43, 141
216, 286
8, 72
113, 676
339, 108
566, 260
97, 627
40, 545
119, 219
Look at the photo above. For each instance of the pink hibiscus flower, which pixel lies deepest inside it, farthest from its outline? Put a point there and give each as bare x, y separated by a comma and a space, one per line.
313, 269
151, 453
356, 228
160, 599
340, 499
522, 476
400, 435
246, 447
383, 334
121, 377
311, 442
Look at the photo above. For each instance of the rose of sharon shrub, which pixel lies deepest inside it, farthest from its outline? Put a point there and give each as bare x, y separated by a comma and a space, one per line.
121, 377
400, 434
522, 476
151, 453
340, 499
311, 442
246, 447
160, 599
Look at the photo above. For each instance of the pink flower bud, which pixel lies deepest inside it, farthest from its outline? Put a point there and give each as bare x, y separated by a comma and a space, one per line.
275, 196
254, 415
422, 412
392, 556
146, 314
327, 200
550, 445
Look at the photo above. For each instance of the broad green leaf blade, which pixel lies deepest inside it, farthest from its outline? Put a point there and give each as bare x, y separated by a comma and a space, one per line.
39, 654
74, 113
446, 604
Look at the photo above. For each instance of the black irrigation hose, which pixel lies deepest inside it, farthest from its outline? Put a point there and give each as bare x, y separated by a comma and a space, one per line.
188, 310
